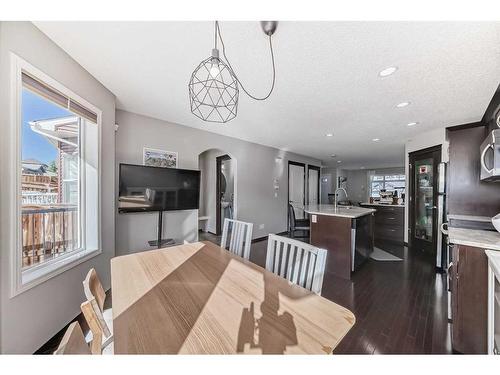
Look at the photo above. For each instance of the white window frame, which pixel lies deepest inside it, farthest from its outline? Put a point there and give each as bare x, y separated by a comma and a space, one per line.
22, 281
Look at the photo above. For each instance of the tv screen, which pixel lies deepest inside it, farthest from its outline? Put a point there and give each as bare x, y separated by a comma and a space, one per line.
157, 189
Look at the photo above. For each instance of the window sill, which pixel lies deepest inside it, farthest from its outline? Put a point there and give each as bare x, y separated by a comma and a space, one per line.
37, 275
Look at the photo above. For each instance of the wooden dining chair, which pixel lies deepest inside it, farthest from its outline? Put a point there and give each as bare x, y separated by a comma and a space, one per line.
240, 238
296, 261
95, 294
99, 342
73, 341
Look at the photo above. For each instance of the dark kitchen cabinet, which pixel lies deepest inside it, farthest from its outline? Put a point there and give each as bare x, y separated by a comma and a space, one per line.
469, 304
388, 225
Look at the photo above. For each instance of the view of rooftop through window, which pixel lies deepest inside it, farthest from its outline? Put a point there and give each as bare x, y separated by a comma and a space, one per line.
50, 168
390, 182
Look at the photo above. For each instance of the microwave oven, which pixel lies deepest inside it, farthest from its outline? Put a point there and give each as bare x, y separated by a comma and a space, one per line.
490, 157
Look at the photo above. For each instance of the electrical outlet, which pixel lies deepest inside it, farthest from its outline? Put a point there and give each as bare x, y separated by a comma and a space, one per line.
261, 226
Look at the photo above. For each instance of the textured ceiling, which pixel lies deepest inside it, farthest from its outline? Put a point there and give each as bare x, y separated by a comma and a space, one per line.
327, 78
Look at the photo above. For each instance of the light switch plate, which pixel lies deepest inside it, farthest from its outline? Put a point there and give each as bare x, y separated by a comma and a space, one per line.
314, 219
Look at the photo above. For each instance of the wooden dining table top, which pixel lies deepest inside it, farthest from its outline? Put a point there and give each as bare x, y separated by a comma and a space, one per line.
200, 299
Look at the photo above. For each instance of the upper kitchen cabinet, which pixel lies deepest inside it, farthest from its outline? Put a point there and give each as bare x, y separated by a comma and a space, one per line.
467, 194
491, 117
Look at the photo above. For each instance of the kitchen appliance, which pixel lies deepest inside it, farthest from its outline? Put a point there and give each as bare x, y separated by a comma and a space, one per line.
442, 246
490, 156
386, 197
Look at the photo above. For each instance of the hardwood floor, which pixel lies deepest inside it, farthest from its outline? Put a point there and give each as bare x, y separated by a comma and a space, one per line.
400, 307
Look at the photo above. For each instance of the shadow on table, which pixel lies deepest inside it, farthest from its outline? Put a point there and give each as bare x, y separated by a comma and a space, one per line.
174, 304
272, 332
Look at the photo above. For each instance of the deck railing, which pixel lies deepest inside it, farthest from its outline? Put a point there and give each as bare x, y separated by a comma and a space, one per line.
48, 233
38, 198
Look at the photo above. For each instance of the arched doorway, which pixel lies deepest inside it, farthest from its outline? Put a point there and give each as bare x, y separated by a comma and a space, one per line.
218, 190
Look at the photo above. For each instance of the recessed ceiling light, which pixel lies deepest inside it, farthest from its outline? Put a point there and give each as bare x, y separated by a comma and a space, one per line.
412, 123
402, 104
376, 139
388, 71
333, 155
329, 134
362, 167
339, 161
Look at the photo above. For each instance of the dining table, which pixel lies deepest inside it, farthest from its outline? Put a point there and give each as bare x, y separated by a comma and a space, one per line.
198, 298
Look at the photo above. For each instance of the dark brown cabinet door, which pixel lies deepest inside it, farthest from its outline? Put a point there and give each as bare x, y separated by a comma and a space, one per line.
469, 300
424, 199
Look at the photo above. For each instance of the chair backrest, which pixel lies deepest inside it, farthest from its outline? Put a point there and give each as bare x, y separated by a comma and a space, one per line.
291, 216
240, 239
73, 341
96, 324
296, 261
93, 289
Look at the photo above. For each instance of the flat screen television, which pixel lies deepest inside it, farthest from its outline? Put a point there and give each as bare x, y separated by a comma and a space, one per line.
157, 189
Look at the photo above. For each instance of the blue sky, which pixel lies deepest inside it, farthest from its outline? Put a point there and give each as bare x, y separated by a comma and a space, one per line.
35, 146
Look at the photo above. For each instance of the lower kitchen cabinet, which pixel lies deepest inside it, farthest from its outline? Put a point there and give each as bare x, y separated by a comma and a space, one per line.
388, 225
469, 299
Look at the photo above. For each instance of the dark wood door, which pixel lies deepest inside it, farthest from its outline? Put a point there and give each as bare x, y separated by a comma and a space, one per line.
424, 199
469, 299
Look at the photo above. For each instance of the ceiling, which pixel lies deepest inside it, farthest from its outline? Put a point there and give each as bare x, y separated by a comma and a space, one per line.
326, 79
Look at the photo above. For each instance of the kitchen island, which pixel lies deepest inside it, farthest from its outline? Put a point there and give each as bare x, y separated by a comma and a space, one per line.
346, 232
388, 225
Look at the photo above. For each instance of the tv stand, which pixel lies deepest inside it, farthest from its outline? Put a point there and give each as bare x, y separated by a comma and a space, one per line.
159, 242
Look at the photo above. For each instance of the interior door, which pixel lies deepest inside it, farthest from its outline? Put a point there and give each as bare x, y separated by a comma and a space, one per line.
296, 187
424, 194
313, 185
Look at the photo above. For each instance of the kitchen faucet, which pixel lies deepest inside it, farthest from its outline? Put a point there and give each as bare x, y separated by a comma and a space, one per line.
345, 192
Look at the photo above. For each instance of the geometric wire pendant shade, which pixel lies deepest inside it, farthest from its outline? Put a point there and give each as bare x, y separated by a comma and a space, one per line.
214, 87
213, 90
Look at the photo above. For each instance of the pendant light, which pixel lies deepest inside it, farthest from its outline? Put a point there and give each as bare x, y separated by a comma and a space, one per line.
214, 87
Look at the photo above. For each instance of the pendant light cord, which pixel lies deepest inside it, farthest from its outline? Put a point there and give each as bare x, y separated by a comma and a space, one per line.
217, 30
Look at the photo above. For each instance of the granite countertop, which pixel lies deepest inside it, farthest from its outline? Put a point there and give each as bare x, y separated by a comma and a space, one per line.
484, 239
494, 258
483, 219
383, 204
342, 211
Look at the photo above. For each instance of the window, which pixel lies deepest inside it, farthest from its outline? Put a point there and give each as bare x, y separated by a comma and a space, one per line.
57, 186
390, 182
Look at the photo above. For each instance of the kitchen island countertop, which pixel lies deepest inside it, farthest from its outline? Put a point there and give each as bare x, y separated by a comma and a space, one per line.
382, 204
350, 212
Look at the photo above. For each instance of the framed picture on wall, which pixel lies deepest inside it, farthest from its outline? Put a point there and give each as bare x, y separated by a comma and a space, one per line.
159, 158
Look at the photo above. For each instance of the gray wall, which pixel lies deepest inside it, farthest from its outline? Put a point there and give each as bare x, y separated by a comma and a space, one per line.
257, 167
357, 186
328, 183
29, 319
